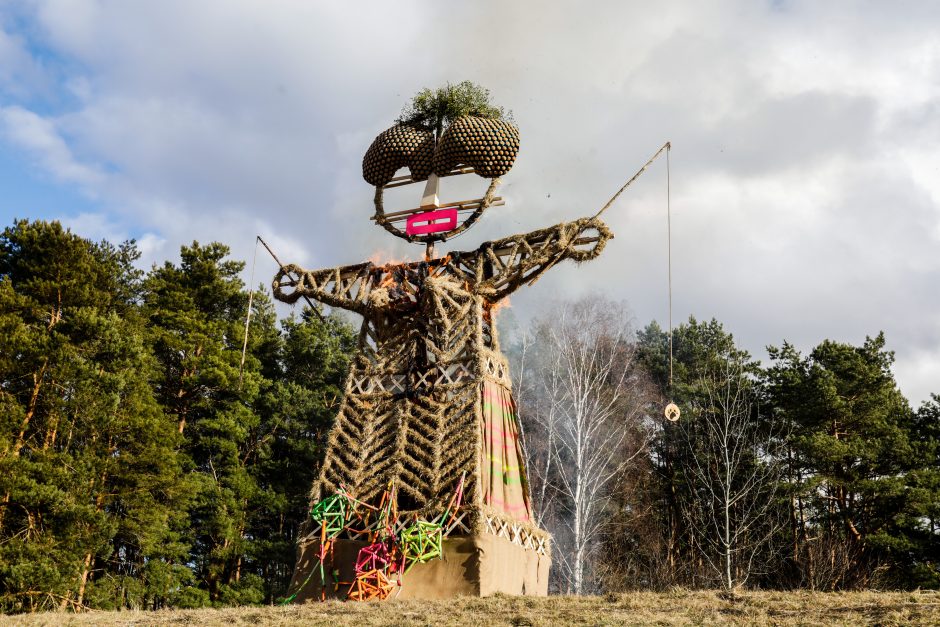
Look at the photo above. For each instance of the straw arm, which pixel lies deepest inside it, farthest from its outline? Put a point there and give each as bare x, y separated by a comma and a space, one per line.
346, 287
503, 266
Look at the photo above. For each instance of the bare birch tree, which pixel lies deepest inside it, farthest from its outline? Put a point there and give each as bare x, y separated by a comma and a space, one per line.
587, 400
734, 470
537, 442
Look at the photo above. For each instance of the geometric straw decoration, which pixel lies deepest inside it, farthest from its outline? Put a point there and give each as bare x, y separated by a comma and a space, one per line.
421, 542
331, 513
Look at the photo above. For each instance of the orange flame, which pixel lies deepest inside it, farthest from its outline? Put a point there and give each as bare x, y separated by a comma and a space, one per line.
382, 259
500, 304
489, 310
439, 265
386, 264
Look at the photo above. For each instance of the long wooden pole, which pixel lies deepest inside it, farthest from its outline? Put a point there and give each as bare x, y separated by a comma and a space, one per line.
665, 147
281, 266
251, 293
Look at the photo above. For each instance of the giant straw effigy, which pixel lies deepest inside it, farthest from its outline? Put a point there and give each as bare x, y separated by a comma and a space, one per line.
422, 492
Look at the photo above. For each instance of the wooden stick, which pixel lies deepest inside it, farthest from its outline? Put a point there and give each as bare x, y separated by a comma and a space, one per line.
667, 146
281, 266
473, 207
457, 171
399, 181
510, 247
446, 205
585, 240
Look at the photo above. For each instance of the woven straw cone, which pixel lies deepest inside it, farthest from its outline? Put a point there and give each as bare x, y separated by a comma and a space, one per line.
490, 146
398, 147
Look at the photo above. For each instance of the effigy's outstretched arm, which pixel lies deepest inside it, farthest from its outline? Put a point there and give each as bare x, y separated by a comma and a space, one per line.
347, 287
504, 265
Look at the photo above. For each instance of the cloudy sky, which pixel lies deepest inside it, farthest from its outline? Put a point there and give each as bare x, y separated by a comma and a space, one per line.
805, 162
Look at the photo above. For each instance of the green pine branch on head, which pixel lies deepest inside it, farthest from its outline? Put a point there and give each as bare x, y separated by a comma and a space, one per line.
432, 110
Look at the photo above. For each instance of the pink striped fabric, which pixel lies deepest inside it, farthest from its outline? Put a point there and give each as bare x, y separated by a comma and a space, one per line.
504, 480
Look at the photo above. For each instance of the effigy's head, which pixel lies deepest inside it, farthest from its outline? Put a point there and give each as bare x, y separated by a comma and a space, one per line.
444, 135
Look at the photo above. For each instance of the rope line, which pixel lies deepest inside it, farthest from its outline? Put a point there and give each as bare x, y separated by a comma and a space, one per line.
669, 255
665, 147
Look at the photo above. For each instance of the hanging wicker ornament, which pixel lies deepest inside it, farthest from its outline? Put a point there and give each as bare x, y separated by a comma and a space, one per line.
672, 412
398, 147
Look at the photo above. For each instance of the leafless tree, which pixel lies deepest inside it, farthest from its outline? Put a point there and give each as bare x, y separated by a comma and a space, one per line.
585, 402
734, 469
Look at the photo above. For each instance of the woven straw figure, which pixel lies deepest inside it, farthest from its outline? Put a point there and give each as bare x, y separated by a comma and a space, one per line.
428, 395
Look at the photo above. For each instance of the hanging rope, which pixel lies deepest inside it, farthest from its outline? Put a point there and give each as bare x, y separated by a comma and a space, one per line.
672, 410
669, 255
251, 293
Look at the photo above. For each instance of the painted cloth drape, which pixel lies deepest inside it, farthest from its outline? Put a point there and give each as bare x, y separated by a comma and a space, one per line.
503, 477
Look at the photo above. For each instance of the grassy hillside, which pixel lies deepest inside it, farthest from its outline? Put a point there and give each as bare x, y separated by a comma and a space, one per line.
679, 607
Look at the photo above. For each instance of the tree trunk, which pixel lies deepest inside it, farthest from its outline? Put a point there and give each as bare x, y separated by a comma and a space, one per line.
24, 425
578, 547
83, 580
31, 408
726, 546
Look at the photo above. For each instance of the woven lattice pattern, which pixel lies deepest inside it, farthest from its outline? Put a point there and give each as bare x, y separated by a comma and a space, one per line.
414, 395
398, 147
489, 146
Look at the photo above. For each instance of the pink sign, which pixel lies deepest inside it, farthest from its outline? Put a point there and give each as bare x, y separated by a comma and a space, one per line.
431, 222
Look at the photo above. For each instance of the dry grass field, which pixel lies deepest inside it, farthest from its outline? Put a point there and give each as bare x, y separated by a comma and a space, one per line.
678, 607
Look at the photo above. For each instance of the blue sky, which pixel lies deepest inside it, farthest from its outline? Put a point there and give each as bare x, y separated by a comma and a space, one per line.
806, 169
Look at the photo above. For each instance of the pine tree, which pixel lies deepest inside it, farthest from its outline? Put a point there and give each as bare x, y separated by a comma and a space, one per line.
80, 425
297, 406
250, 435
195, 315
852, 455
922, 516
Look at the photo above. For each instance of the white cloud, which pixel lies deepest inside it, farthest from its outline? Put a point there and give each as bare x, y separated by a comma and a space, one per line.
40, 138
21, 75
805, 187
100, 226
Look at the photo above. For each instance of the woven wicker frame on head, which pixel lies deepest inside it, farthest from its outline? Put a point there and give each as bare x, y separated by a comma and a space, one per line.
487, 146
468, 221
